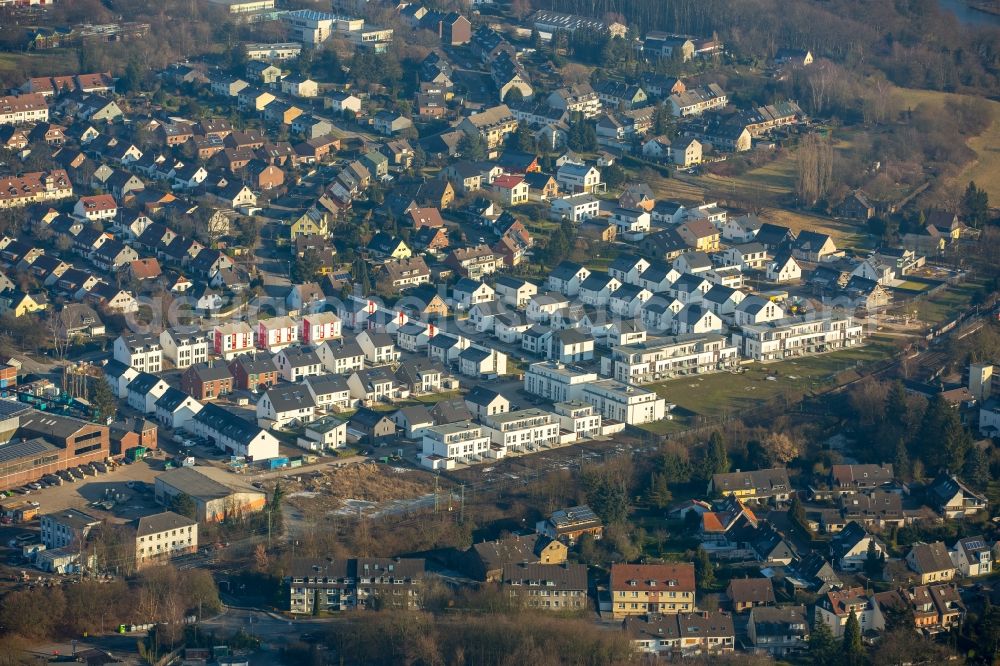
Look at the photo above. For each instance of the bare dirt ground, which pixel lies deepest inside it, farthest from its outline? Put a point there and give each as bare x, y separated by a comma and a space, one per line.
328, 490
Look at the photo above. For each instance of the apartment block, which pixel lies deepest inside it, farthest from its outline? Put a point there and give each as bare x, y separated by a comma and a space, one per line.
794, 337
660, 358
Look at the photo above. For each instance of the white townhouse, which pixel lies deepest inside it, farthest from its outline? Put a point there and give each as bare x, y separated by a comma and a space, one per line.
597, 289
341, 357
578, 178
317, 328
467, 292
575, 207
285, 405
446, 445
524, 430
185, 346
566, 278
627, 268
175, 408
757, 310
330, 392
378, 347
295, 363
232, 339
143, 392
276, 333
514, 291
543, 307
141, 351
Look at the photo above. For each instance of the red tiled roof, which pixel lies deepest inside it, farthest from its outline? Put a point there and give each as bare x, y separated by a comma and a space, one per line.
653, 577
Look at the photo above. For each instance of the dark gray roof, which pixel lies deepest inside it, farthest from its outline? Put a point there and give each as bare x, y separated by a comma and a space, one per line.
208, 372
286, 397
29, 448
228, 424
161, 522
482, 396
143, 383
255, 365
9, 408
326, 384
171, 399
565, 270
474, 354
298, 357
51, 425
560, 576
367, 418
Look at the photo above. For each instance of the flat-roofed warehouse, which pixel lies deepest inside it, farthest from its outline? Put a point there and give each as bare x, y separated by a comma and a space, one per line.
216, 492
33, 443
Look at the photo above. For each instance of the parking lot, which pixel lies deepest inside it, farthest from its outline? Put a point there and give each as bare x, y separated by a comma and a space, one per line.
81, 493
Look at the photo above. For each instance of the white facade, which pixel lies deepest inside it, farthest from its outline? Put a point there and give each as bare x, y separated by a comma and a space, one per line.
142, 352
462, 442
277, 333
524, 430
231, 340
787, 338
557, 382
185, 346
317, 328
624, 402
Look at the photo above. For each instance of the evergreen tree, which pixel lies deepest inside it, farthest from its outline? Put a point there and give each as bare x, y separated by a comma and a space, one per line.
675, 467
659, 494
977, 467
901, 460
103, 400
975, 206
822, 645
874, 560
944, 441
853, 649
607, 496
183, 504
704, 570
472, 147
797, 512
715, 459
663, 121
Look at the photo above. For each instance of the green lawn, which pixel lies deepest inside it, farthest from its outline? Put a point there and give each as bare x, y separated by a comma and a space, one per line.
723, 393
16, 67
944, 305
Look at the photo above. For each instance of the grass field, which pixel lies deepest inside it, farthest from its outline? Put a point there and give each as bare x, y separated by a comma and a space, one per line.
719, 394
15, 68
844, 234
675, 190
986, 169
944, 305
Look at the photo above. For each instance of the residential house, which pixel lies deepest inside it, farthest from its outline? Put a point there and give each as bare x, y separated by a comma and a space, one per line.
251, 373
972, 556
650, 589
295, 363
554, 587
778, 632
850, 546
756, 486
207, 381
836, 607
931, 562
681, 635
